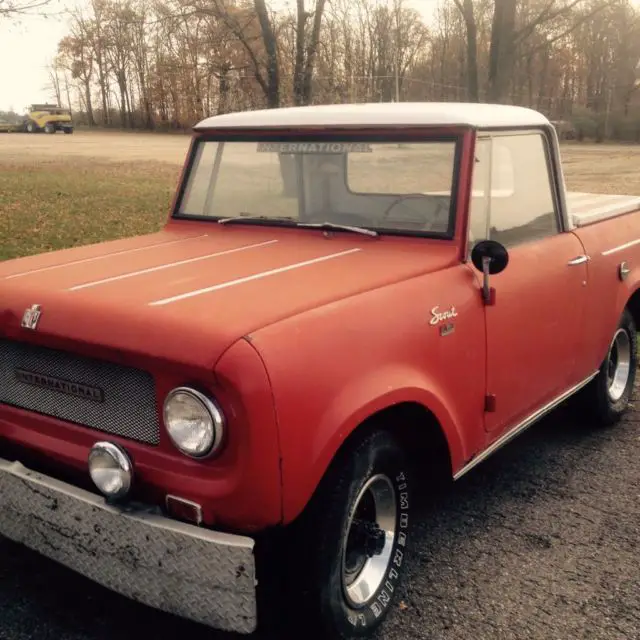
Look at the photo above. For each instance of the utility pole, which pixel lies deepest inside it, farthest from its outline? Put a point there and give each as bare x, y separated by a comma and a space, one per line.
607, 113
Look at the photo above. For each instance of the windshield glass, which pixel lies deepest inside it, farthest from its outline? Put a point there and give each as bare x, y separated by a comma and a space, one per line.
401, 187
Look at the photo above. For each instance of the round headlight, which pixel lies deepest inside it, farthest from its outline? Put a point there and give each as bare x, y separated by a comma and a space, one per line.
193, 421
110, 469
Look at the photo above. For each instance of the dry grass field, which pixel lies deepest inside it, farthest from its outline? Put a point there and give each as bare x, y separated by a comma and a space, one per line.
59, 191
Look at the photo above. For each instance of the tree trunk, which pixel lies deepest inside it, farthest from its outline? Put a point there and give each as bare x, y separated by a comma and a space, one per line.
128, 93
68, 92
223, 91
468, 16
501, 51
271, 48
89, 106
55, 81
123, 101
312, 48
102, 81
544, 72
298, 67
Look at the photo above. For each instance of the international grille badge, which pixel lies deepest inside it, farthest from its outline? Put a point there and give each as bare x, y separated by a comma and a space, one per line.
31, 317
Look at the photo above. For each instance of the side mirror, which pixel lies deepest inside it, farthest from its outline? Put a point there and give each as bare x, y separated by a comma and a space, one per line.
489, 257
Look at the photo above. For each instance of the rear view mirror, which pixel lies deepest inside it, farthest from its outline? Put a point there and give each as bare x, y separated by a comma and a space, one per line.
489, 257
492, 253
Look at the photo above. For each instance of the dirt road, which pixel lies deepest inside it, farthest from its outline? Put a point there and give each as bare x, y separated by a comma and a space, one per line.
104, 145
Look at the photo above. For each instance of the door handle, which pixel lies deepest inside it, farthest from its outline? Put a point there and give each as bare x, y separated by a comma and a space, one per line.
578, 260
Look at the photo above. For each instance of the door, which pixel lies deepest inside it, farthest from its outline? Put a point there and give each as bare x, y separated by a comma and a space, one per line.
533, 330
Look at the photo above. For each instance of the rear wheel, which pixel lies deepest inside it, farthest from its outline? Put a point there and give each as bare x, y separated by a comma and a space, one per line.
31, 127
49, 128
608, 395
348, 548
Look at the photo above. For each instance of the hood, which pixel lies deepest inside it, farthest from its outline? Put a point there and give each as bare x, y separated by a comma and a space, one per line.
186, 293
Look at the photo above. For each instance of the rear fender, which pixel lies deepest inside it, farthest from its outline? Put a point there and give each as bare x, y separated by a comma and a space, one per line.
627, 295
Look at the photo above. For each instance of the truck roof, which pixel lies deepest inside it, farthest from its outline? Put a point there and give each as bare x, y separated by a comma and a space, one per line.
475, 115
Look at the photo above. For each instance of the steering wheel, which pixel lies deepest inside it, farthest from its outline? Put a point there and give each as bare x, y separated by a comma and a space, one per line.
397, 201
440, 206
342, 218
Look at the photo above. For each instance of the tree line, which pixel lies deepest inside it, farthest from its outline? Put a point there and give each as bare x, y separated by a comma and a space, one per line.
165, 64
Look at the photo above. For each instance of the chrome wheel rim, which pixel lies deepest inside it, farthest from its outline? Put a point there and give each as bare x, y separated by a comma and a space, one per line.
371, 532
618, 365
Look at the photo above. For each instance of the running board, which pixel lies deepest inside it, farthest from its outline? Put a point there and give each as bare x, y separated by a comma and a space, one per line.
523, 426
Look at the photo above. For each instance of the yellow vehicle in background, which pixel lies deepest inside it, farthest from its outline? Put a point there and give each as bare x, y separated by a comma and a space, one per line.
48, 118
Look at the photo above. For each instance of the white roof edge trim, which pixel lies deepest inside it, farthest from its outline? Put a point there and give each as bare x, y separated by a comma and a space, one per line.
381, 114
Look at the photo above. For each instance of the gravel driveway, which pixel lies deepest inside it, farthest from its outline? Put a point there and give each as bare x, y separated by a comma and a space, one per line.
539, 542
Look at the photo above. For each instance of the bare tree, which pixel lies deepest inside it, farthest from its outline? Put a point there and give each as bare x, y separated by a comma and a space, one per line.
306, 48
168, 63
16, 8
75, 55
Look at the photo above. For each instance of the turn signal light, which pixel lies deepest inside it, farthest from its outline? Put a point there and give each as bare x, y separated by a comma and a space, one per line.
182, 509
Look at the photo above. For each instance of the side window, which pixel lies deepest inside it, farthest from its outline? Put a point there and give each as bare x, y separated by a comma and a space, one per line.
522, 203
515, 204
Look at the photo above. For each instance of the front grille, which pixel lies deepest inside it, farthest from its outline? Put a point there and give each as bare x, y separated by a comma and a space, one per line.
93, 393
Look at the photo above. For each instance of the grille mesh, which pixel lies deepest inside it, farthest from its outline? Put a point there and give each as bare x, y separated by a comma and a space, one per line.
126, 406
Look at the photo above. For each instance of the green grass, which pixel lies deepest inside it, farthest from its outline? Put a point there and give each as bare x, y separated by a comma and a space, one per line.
47, 205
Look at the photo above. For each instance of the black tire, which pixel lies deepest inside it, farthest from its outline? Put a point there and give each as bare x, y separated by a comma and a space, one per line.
68, 131
607, 397
314, 571
49, 128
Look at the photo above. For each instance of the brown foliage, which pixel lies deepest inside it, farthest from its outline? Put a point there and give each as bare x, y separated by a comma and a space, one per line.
169, 63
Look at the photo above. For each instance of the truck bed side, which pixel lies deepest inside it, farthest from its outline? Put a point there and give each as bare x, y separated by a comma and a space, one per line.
587, 208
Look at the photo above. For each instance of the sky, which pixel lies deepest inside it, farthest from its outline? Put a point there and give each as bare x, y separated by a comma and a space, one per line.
28, 46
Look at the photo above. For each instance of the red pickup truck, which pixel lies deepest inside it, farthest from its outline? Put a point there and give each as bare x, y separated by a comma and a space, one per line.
227, 418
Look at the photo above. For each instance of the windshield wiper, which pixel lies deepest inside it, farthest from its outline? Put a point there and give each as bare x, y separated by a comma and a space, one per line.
317, 225
343, 227
251, 219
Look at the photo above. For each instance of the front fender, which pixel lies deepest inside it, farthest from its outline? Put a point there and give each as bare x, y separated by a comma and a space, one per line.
334, 366
306, 458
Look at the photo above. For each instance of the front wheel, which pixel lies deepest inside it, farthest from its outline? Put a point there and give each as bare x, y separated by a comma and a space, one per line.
355, 534
608, 395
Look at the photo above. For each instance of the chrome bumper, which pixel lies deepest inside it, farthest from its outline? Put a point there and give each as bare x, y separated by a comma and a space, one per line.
189, 571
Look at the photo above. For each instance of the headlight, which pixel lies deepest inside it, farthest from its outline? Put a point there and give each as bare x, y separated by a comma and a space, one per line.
194, 423
110, 469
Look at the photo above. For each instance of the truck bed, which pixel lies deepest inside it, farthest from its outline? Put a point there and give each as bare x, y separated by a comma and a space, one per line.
586, 208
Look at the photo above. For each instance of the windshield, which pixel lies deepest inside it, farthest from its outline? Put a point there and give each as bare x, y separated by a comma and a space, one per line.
385, 186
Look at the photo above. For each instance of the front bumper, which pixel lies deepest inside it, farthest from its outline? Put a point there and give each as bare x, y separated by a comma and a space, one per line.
195, 573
